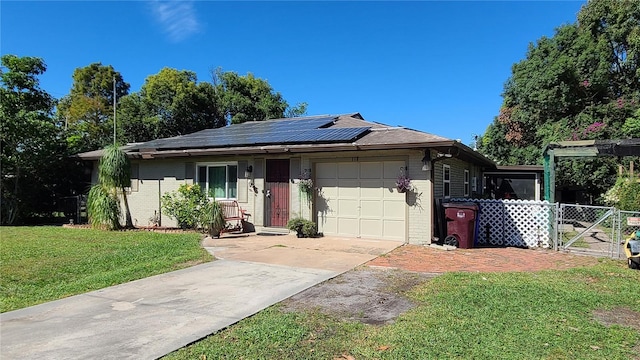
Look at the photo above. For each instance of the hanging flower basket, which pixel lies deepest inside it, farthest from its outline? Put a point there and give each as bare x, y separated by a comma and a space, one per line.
403, 183
305, 185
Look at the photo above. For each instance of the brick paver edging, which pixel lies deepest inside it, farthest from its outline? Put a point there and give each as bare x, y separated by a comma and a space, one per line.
428, 259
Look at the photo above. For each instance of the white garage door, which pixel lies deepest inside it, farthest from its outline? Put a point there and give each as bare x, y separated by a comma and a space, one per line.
359, 199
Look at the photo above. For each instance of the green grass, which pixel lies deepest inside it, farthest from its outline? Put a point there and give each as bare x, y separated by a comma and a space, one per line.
580, 243
543, 315
39, 264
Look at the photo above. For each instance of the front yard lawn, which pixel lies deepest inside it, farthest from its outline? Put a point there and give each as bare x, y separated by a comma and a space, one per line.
39, 264
582, 313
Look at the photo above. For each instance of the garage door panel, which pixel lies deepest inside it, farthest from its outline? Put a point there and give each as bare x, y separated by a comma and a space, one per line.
326, 208
348, 170
328, 225
371, 209
326, 182
348, 227
393, 229
328, 191
392, 169
371, 228
348, 189
370, 170
347, 208
326, 171
371, 189
391, 190
393, 210
361, 200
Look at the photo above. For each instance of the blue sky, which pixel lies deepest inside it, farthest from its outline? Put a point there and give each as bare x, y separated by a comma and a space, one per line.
438, 67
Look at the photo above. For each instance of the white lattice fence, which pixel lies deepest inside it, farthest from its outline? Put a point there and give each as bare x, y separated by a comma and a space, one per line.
514, 222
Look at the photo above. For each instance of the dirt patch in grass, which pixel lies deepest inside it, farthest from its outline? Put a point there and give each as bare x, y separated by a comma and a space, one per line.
369, 295
618, 316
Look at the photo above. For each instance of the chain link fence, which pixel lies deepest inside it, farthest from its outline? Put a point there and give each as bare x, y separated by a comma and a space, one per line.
595, 230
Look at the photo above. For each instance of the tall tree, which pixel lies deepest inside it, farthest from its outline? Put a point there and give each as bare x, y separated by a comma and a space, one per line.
582, 83
31, 149
88, 109
171, 102
247, 98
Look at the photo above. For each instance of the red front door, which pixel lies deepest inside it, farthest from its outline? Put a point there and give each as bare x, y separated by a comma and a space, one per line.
277, 193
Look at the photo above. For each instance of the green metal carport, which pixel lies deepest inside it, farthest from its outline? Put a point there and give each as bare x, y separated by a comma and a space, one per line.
578, 149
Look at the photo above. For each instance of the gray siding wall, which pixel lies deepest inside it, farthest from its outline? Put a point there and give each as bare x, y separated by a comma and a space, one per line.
457, 168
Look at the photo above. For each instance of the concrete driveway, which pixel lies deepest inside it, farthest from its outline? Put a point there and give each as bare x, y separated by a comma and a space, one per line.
151, 317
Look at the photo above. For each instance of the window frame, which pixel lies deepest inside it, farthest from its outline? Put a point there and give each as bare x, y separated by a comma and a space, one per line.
467, 177
446, 190
226, 165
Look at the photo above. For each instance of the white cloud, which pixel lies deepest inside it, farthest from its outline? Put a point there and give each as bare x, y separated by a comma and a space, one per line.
178, 18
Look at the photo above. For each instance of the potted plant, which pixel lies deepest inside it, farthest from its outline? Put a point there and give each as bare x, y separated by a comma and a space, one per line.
403, 183
296, 224
302, 227
309, 229
217, 223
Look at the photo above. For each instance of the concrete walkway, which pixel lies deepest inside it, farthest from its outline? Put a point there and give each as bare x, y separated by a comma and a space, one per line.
148, 318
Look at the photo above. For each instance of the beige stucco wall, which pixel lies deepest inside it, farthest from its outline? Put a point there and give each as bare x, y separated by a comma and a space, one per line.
159, 176
155, 178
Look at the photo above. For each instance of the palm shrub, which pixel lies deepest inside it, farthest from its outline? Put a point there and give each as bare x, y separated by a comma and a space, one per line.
103, 208
216, 222
114, 175
114, 171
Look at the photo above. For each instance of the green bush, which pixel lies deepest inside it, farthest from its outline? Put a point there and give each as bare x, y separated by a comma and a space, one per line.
630, 196
296, 224
625, 194
303, 227
191, 207
309, 229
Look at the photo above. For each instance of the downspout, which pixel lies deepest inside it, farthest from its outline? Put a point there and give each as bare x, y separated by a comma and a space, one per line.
159, 203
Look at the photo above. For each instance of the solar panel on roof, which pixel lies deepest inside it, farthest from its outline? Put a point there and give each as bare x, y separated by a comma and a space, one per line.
327, 135
286, 131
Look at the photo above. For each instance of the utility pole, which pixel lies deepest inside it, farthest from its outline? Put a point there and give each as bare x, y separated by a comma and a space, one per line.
114, 110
